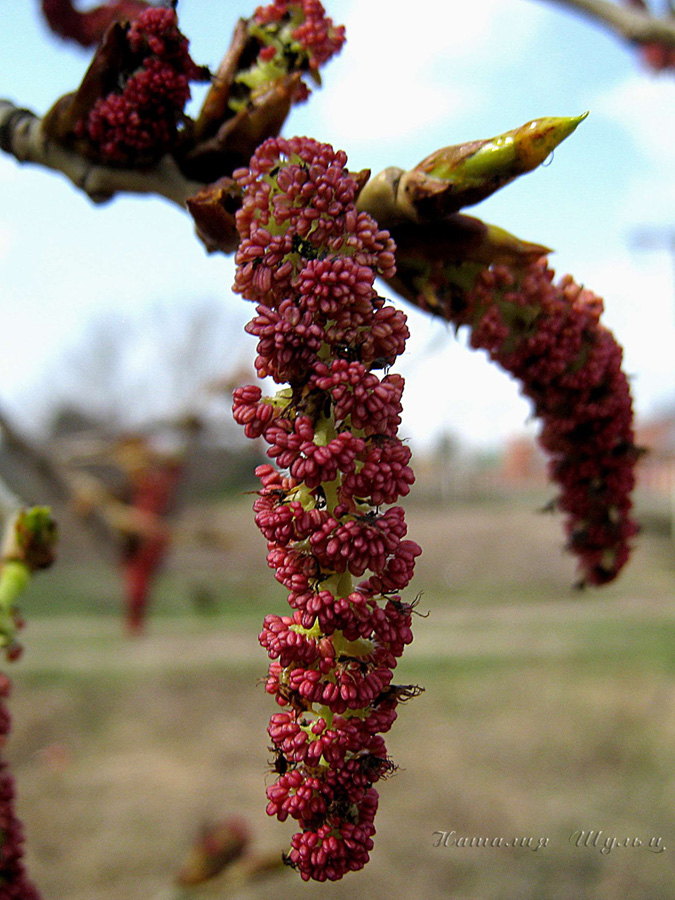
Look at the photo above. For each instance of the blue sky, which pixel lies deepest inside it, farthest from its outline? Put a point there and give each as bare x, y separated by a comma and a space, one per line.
404, 85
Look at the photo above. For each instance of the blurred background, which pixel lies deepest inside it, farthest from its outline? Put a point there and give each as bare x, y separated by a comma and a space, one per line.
546, 710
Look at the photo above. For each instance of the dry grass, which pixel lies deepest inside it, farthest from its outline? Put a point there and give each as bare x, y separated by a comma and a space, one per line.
544, 712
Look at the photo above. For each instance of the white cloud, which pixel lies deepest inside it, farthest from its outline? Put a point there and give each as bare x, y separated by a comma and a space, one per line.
410, 103
432, 31
401, 74
649, 201
9, 170
643, 107
451, 389
5, 240
638, 283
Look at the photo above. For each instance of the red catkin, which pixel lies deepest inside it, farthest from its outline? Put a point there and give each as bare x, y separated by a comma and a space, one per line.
309, 261
549, 336
14, 883
139, 121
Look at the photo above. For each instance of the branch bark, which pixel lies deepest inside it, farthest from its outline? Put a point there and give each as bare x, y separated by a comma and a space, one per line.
22, 136
631, 24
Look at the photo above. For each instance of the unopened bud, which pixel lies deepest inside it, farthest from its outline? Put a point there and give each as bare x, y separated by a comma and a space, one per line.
14, 578
31, 538
217, 848
436, 263
464, 174
213, 210
379, 198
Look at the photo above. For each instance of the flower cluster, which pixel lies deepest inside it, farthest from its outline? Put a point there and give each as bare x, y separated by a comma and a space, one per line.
550, 338
294, 36
137, 122
309, 260
311, 30
14, 883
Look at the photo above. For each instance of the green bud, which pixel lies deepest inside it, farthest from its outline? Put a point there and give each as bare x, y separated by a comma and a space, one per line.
14, 578
35, 537
437, 263
500, 246
463, 174
503, 157
378, 197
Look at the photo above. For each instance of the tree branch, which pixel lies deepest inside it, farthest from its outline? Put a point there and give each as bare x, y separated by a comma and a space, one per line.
57, 486
631, 24
22, 136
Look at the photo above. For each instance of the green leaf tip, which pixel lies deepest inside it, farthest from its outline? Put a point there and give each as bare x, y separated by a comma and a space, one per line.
501, 158
464, 174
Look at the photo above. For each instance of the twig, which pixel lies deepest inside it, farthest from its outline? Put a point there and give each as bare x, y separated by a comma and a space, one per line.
22, 136
58, 486
631, 24
10, 504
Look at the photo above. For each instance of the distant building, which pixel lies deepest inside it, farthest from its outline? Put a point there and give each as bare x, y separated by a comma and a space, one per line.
656, 472
523, 462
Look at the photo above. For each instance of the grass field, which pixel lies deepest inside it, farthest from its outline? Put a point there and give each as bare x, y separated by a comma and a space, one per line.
546, 711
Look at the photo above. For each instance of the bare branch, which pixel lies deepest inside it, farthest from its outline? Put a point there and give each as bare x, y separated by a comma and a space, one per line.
22, 136
58, 487
632, 24
10, 503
